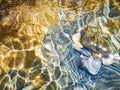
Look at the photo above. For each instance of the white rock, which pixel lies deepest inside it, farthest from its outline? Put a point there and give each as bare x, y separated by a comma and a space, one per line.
93, 66
107, 60
117, 56
76, 40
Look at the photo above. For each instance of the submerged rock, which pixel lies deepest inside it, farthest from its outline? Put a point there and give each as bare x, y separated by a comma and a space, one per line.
89, 63
76, 40
92, 65
107, 59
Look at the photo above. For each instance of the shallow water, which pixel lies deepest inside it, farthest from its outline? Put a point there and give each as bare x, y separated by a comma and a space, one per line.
60, 45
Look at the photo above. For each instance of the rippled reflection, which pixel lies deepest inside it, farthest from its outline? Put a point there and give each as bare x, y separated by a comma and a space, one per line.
59, 44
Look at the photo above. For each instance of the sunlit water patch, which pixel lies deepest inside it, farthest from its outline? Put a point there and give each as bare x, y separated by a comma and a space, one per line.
60, 45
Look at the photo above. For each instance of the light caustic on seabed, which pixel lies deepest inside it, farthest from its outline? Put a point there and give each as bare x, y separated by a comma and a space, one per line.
102, 36
23, 27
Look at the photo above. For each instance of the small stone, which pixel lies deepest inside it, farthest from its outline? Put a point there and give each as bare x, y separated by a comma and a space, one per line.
92, 65
117, 56
76, 40
107, 59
